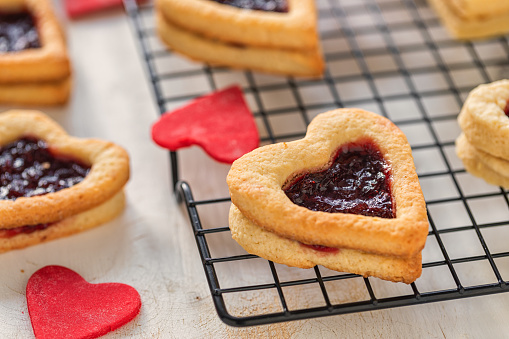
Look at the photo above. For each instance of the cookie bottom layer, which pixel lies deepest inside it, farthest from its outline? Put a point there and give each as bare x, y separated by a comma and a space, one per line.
491, 169
74, 224
469, 29
36, 93
271, 60
270, 246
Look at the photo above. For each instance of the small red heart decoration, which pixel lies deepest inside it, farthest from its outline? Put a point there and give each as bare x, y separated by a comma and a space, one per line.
220, 123
62, 304
76, 8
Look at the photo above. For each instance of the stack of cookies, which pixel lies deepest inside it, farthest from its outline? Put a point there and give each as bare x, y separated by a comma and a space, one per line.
33, 54
473, 19
484, 144
346, 197
273, 36
52, 184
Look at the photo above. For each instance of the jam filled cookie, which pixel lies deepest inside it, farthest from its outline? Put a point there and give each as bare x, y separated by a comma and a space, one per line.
349, 188
33, 55
274, 36
52, 184
483, 118
483, 145
473, 19
279, 24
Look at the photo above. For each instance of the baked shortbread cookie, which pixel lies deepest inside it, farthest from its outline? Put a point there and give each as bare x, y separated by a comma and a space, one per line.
216, 53
349, 184
483, 118
223, 35
294, 29
268, 245
33, 54
49, 177
493, 170
473, 19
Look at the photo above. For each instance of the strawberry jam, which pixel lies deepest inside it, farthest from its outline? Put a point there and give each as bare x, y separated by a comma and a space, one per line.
357, 182
18, 32
28, 168
506, 109
280, 6
12, 232
321, 248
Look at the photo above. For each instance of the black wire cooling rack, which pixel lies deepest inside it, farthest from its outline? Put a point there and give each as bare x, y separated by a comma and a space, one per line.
392, 57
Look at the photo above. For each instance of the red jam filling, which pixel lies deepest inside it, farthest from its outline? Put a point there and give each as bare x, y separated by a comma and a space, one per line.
28, 168
506, 109
280, 6
12, 232
357, 182
18, 32
321, 248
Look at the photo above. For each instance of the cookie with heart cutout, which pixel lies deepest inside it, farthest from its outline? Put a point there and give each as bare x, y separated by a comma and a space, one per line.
241, 35
49, 178
34, 60
352, 184
483, 118
289, 24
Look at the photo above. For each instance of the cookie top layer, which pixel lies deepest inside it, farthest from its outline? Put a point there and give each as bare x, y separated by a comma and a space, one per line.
256, 183
109, 171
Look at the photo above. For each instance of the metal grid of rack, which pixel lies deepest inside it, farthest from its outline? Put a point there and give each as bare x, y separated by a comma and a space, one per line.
392, 57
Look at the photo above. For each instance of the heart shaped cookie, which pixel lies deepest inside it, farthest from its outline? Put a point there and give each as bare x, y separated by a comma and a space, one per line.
260, 182
291, 26
35, 64
62, 304
270, 36
220, 123
53, 184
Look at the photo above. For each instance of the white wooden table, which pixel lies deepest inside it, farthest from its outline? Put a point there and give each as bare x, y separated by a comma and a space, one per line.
151, 246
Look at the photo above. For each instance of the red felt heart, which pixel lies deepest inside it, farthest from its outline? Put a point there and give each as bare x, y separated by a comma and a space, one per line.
221, 123
61, 304
76, 8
